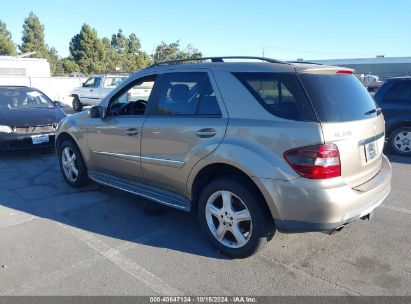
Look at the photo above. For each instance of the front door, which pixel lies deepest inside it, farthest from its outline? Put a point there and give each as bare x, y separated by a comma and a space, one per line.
90, 92
114, 142
187, 123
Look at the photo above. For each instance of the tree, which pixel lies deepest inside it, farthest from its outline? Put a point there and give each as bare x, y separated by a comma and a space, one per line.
7, 46
124, 53
69, 65
133, 44
88, 51
172, 51
56, 64
33, 37
119, 41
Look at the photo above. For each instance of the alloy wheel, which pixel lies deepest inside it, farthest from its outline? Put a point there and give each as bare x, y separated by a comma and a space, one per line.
228, 219
69, 162
402, 141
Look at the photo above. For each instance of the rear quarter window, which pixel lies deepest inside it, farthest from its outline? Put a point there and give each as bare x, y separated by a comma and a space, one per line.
281, 94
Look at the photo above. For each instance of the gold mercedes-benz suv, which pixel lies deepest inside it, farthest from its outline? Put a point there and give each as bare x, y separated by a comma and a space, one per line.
252, 145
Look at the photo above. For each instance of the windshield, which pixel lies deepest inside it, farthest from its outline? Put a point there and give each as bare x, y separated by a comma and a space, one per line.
338, 97
22, 97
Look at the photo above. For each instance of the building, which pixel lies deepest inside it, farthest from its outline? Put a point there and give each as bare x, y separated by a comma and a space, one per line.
19, 66
382, 66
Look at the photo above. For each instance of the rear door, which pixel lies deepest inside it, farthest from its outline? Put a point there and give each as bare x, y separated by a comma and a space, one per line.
350, 119
187, 123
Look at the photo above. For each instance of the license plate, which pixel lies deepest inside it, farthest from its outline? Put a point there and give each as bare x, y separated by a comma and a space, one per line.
370, 151
39, 139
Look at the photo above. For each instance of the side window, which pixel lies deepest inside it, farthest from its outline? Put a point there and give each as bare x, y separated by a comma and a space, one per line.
133, 99
187, 94
400, 91
180, 94
97, 81
280, 94
89, 83
208, 101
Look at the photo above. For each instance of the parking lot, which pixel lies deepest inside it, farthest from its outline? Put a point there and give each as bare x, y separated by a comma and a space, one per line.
56, 240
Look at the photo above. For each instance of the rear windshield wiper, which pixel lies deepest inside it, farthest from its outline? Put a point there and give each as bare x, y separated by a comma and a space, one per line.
372, 111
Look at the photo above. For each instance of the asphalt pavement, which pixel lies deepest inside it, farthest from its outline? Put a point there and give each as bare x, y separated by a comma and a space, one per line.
57, 240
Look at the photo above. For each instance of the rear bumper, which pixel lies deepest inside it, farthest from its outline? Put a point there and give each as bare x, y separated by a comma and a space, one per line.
304, 205
24, 142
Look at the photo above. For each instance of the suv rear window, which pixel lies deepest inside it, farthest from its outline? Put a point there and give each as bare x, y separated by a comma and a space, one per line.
338, 97
281, 94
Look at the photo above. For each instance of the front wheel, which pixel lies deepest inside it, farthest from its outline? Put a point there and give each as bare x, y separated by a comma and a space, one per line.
77, 105
400, 141
72, 164
233, 218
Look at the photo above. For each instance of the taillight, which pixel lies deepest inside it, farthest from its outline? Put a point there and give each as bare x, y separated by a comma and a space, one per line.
316, 162
344, 72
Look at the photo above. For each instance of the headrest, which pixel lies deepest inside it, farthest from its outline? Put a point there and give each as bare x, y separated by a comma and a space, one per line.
179, 93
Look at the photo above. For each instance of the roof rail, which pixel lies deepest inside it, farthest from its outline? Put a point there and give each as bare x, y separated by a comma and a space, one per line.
305, 62
217, 59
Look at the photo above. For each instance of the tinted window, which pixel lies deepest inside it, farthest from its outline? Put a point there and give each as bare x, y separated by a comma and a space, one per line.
208, 101
400, 91
280, 94
15, 98
182, 94
338, 97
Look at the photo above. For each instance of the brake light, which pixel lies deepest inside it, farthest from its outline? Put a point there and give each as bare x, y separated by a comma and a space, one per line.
344, 72
316, 162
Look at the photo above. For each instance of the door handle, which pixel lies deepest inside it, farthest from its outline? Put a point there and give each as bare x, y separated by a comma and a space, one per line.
206, 133
131, 132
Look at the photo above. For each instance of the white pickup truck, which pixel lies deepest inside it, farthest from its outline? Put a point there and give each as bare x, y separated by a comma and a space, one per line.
94, 89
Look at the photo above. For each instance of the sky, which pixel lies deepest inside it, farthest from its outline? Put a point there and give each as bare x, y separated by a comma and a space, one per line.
288, 29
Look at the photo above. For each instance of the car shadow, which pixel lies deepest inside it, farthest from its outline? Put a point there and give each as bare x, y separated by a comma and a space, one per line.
31, 182
395, 158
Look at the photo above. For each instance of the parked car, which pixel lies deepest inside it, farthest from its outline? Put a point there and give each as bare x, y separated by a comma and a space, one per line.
28, 118
394, 98
94, 89
252, 147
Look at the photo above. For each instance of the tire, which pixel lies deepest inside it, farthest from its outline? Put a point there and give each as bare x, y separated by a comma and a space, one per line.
73, 169
77, 105
251, 234
400, 141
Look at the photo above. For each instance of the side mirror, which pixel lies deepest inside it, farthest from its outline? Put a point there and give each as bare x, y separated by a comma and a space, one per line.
57, 103
97, 112
83, 84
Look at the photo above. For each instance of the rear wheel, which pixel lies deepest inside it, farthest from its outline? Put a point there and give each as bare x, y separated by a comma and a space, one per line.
400, 140
232, 217
72, 164
77, 105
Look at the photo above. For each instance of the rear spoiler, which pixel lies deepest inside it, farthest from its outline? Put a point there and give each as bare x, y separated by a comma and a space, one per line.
328, 70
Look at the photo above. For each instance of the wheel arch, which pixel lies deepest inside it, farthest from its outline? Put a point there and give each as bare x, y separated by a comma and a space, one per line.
214, 171
67, 136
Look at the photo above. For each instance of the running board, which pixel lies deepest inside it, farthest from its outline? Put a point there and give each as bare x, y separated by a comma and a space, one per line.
155, 194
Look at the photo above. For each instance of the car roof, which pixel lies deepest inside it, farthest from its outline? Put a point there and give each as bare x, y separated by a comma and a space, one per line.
240, 64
